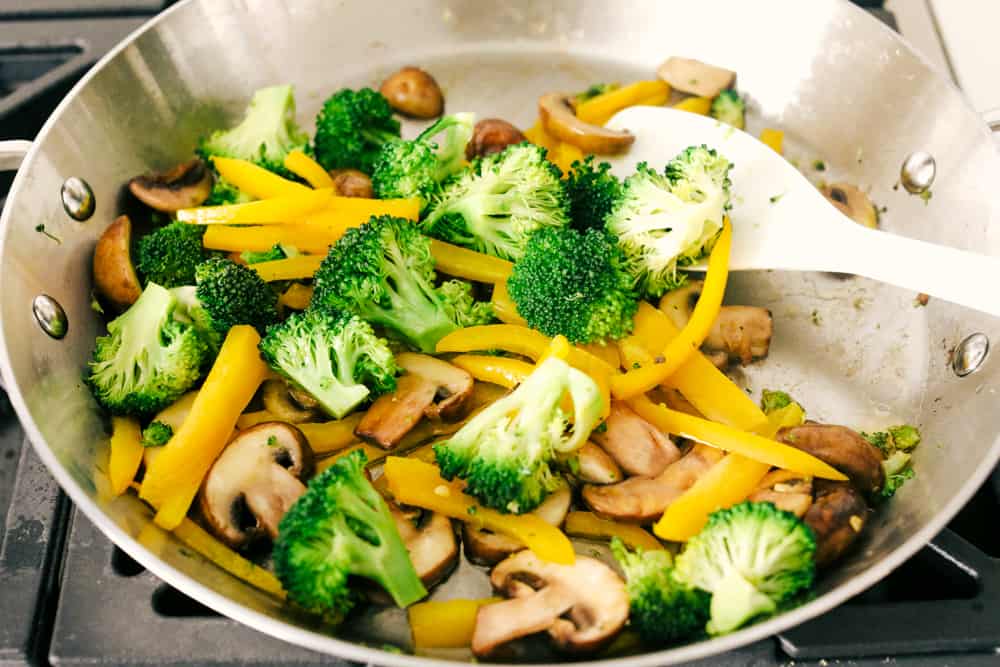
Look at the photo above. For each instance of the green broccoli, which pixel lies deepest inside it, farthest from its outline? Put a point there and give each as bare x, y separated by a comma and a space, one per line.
495, 204
223, 192
335, 358
267, 133
351, 128
592, 192
278, 251
169, 255
338, 530
383, 272
574, 284
667, 221
405, 169
149, 357
895, 443
594, 90
662, 610
751, 557
728, 107
157, 434
771, 400
505, 452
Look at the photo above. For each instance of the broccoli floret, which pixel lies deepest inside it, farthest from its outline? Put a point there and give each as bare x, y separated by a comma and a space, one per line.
460, 306
405, 169
149, 357
662, 609
169, 255
895, 443
224, 192
728, 107
495, 204
751, 557
157, 434
574, 284
592, 192
267, 133
595, 90
904, 437
383, 272
505, 452
278, 251
771, 400
339, 529
667, 221
351, 128
335, 358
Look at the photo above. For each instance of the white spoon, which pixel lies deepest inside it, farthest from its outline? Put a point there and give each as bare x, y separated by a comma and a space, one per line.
801, 230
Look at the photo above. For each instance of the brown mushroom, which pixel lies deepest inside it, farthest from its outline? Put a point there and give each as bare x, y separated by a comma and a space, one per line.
837, 516
454, 385
115, 278
392, 415
643, 499
842, 448
431, 542
556, 113
788, 491
413, 92
492, 135
254, 482
695, 77
635, 444
853, 203
277, 399
595, 466
186, 185
581, 606
486, 548
352, 183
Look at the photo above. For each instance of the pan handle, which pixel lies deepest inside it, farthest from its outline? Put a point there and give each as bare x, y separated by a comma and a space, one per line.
12, 153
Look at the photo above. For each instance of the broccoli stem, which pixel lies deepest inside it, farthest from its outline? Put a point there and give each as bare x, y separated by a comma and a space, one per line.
734, 602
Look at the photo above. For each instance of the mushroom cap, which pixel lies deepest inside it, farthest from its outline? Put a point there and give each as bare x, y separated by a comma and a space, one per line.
635, 444
561, 122
277, 398
431, 541
487, 548
837, 516
842, 448
454, 385
184, 186
695, 77
115, 278
413, 92
393, 415
596, 466
852, 202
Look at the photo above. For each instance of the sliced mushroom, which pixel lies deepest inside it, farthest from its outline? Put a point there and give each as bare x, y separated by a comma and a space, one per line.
276, 396
788, 491
492, 135
302, 399
842, 448
643, 499
595, 466
115, 278
454, 385
186, 185
581, 606
560, 121
352, 183
486, 548
254, 482
853, 203
392, 416
413, 92
431, 542
837, 516
695, 77
635, 444
742, 333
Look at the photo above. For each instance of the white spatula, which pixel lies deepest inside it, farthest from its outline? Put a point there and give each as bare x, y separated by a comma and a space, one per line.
801, 230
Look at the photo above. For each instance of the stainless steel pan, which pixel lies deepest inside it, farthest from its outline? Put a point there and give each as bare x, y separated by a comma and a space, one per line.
844, 88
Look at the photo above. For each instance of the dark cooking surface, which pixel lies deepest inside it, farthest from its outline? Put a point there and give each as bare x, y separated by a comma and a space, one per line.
67, 596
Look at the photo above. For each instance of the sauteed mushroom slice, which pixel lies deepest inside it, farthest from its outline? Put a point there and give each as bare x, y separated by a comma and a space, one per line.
635, 444
837, 516
115, 278
486, 548
453, 384
595, 466
643, 499
582, 606
842, 448
788, 491
392, 416
695, 77
431, 542
853, 203
277, 399
186, 185
492, 135
352, 183
254, 482
559, 119
413, 92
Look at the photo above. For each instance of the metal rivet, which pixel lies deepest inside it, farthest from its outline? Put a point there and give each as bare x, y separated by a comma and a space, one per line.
970, 354
918, 172
77, 198
50, 316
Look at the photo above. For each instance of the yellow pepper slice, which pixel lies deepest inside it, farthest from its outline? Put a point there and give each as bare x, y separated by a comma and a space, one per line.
558, 348
538, 135
469, 264
296, 297
413, 482
290, 268
564, 155
251, 419
315, 240
279, 210
598, 110
686, 344
257, 181
657, 100
444, 623
698, 105
606, 352
173, 416
773, 138
503, 371
331, 436
308, 170
504, 307
750, 445
371, 451
589, 525
355, 211
126, 453
173, 480
195, 537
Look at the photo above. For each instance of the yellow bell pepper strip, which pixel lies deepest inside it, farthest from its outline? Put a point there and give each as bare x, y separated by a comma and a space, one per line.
173, 416
786, 417
356, 211
656, 100
257, 181
308, 170
773, 138
331, 436
279, 210
538, 135
558, 347
564, 155
315, 240
687, 342
373, 453
607, 352
504, 307
591, 526
195, 537
468, 264
503, 371
425, 453
413, 482
172, 482
290, 268
444, 623
251, 419
126, 453
296, 297
598, 110
750, 445
698, 105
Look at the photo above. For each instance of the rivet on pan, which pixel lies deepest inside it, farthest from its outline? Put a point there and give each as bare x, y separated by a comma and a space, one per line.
50, 316
918, 172
970, 354
77, 198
